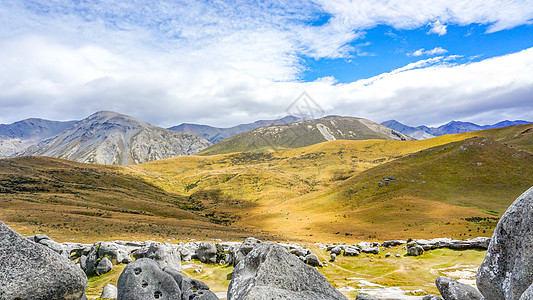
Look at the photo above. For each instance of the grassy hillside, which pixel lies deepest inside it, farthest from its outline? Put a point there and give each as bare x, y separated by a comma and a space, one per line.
458, 190
77, 201
323, 192
305, 133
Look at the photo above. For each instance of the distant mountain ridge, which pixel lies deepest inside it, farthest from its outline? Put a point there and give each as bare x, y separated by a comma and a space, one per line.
216, 134
424, 132
304, 133
20, 135
111, 138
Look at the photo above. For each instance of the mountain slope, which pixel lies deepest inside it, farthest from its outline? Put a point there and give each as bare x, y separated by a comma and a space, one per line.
455, 190
66, 198
215, 134
111, 138
413, 132
20, 135
304, 133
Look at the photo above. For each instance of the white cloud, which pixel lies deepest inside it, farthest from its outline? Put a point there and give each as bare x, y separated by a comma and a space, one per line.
434, 51
437, 28
221, 64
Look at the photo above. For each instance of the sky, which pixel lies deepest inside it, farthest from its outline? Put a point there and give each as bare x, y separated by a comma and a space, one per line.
224, 63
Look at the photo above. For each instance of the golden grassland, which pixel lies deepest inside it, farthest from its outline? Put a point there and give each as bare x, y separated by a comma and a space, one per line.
324, 192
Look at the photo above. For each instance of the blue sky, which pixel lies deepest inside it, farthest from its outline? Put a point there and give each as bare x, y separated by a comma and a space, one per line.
228, 62
384, 48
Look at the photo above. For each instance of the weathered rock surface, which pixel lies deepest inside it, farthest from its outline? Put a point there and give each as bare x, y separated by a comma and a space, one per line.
164, 254
104, 266
29, 270
270, 272
451, 289
507, 270
110, 292
207, 253
143, 279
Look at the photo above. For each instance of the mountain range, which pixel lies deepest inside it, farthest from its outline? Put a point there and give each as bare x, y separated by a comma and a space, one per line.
425, 132
304, 133
20, 135
111, 138
216, 134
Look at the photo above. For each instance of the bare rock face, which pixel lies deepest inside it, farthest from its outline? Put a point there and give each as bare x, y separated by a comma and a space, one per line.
111, 138
451, 289
507, 271
271, 272
32, 271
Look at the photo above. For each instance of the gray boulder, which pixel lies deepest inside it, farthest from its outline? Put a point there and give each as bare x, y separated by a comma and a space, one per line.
207, 253
333, 257
104, 266
29, 270
432, 297
248, 245
393, 243
43, 239
368, 247
109, 292
351, 251
365, 297
507, 270
92, 260
143, 279
451, 289
191, 288
415, 250
270, 272
337, 250
118, 254
237, 253
300, 251
163, 254
313, 260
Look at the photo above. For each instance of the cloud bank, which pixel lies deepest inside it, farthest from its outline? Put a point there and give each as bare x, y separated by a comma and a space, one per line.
221, 63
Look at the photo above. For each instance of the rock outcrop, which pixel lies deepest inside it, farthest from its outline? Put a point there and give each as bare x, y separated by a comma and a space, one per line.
507, 271
29, 270
451, 289
270, 272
